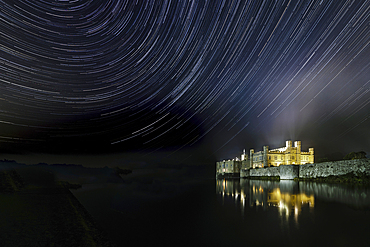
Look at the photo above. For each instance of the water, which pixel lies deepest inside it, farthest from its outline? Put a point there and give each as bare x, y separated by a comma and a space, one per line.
209, 212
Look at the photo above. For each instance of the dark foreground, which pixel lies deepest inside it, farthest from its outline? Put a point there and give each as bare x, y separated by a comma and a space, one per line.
35, 210
171, 207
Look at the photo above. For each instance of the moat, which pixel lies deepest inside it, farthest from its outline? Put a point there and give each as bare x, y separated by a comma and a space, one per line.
231, 212
146, 209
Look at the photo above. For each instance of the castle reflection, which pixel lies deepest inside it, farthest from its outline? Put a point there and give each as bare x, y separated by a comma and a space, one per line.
289, 197
284, 195
289, 203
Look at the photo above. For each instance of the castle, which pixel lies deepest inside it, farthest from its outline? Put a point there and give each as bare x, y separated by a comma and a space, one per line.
288, 155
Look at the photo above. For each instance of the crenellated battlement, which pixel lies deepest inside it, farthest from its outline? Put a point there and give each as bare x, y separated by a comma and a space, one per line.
288, 155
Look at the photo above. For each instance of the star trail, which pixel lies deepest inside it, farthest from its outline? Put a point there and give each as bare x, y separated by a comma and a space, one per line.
97, 76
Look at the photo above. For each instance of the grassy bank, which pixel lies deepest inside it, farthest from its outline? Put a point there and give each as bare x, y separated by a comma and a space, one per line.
43, 213
10, 181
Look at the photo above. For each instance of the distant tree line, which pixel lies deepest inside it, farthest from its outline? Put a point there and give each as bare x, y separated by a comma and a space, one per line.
350, 156
355, 155
122, 171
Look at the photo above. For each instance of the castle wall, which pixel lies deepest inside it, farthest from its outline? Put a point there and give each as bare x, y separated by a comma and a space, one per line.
289, 172
257, 159
265, 172
244, 173
245, 164
334, 168
288, 155
228, 168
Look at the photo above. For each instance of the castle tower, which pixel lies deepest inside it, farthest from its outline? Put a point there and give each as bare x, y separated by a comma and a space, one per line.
251, 152
297, 145
287, 153
265, 155
312, 153
288, 144
244, 156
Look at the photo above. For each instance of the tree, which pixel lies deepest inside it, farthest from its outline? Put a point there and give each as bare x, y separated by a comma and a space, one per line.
355, 155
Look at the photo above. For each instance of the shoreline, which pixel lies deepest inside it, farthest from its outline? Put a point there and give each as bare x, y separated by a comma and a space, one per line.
349, 178
44, 212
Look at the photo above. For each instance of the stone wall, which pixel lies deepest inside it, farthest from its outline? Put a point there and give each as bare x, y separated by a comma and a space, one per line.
265, 172
289, 172
335, 168
244, 173
227, 175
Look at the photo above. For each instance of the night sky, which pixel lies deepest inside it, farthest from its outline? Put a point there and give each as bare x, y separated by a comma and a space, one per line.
205, 78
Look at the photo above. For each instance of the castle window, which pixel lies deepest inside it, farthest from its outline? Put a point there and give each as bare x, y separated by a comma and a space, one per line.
275, 157
292, 157
269, 157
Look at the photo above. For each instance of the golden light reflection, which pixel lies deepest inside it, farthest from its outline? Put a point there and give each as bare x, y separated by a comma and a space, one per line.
288, 202
285, 196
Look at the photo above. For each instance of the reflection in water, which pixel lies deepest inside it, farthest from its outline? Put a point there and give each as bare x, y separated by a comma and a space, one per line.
289, 202
284, 195
288, 196
355, 197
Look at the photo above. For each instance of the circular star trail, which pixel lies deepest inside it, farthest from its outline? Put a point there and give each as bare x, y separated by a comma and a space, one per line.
150, 75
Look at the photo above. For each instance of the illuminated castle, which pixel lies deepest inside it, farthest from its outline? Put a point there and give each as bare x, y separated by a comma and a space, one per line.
288, 155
